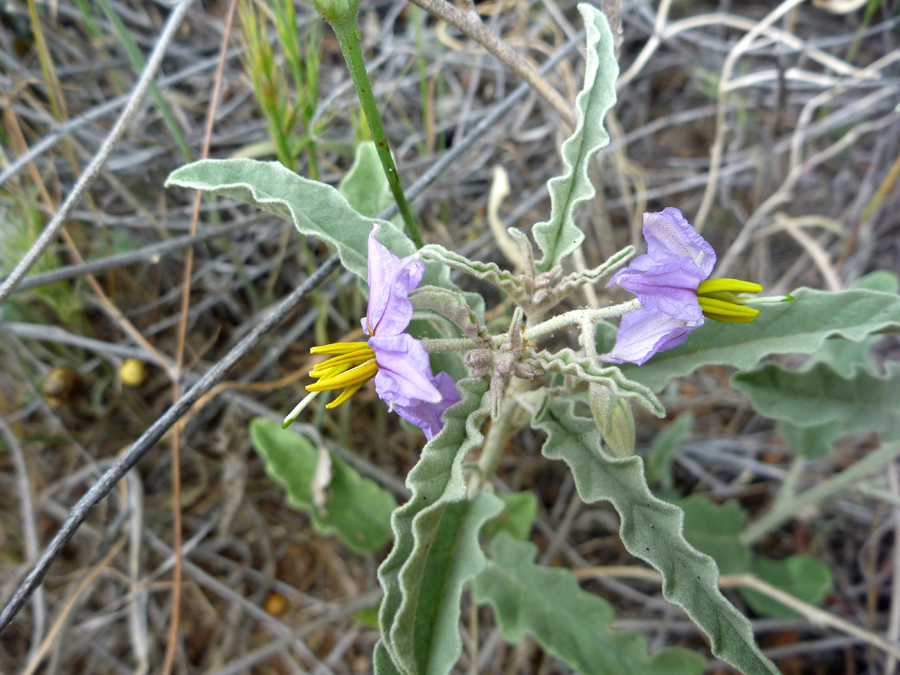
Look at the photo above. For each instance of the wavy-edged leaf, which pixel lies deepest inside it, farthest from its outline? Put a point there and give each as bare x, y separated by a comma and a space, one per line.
798, 327
652, 530
436, 483
510, 283
865, 402
572, 624
567, 362
315, 208
355, 508
425, 634
803, 576
559, 236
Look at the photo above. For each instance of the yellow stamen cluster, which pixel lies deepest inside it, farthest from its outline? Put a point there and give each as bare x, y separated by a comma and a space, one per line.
726, 300
353, 366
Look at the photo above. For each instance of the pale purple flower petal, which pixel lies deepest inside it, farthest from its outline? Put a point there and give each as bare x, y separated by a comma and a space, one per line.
647, 331
390, 281
669, 235
670, 287
404, 371
665, 281
427, 416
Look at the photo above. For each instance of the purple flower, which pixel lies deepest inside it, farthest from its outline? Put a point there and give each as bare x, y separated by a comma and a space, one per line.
397, 361
665, 281
671, 283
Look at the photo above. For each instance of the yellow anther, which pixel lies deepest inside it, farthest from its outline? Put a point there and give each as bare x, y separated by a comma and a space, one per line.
727, 286
728, 319
345, 395
353, 358
320, 372
339, 348
358, 375
721, 307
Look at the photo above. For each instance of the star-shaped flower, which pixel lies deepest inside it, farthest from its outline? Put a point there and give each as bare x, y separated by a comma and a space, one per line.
672, 285
396, 360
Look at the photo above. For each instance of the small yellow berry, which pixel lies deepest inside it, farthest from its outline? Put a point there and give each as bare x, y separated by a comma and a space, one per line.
276, 604
132, 372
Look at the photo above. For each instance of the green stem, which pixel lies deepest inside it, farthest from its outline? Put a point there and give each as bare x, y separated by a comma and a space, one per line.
348, 38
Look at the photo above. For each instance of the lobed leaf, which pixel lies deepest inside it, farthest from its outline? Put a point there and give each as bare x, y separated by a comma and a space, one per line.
355, 509
559, 236
798, 327
652, 530
413, 615
570, 623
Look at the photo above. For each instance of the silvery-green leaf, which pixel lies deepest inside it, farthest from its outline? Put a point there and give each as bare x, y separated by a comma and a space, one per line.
571, 624
865, 402
315, 208
798, 327
436, 484
559, 236
652, 530
425, 634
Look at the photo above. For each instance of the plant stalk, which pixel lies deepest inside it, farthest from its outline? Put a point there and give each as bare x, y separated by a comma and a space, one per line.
348, 37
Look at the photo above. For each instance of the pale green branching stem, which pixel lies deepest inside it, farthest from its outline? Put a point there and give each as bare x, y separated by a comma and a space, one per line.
585, 318
580, 317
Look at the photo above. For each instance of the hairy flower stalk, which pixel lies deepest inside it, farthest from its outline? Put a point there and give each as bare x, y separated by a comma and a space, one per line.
674, 290
394, 359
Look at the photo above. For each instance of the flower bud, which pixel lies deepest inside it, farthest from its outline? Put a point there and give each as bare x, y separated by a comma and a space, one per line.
334, 11
613, 416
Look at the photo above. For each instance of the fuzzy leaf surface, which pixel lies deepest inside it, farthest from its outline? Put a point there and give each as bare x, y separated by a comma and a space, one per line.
315, 208
438, 487
652, 530
865, 402
356, 509
559, 236
572, 624
798, 327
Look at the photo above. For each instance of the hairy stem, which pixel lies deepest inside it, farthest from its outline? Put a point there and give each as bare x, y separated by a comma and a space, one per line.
348, 38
